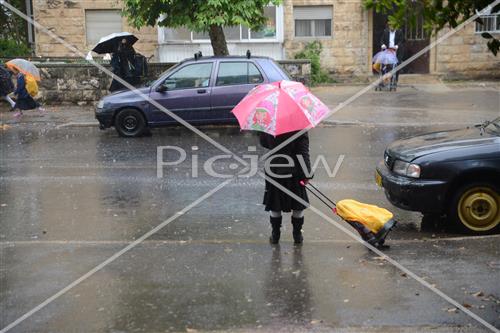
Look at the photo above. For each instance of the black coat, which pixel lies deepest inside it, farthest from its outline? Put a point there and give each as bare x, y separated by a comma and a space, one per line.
122, 64
399, 40
6, 85
24, 100
290, 176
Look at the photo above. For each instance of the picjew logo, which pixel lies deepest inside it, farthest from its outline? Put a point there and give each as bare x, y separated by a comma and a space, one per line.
173, 156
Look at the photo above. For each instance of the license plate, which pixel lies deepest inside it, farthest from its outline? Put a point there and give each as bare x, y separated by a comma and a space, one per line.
378, 179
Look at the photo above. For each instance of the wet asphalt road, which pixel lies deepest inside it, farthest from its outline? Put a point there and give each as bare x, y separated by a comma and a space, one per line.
73, 197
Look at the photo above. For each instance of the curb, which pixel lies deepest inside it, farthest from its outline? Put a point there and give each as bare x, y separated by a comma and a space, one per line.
327, 123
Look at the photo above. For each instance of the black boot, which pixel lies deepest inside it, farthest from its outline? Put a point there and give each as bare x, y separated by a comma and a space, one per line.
297, 223
276, 232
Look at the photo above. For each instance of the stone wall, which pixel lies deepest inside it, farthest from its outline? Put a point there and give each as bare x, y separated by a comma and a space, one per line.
465, 55
67, 20
85, 84
345, 53
80, 83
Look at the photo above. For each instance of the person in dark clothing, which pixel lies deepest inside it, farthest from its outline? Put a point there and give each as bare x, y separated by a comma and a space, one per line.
394, 39
122, 64
289, 176
24, 101
6, 86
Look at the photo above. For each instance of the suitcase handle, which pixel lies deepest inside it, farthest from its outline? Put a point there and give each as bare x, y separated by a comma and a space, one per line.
320, 195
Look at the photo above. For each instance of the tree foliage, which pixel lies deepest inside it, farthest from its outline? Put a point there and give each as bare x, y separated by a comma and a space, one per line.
13, 30
10, 49
437, 14
312, 51
199, 16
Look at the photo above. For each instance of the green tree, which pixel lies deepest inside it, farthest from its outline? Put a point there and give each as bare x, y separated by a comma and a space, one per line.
199, 16
312, 51
13, 31
437, 14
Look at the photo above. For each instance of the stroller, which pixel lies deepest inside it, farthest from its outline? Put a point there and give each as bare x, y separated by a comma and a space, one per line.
384, 63
371, 222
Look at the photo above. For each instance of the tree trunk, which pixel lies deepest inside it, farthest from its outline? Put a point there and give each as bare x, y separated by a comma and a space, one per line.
218, 40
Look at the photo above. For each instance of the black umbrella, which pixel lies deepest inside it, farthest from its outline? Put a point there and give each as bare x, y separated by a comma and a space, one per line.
107, 44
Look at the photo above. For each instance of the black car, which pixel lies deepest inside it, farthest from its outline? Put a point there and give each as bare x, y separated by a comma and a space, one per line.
454, 173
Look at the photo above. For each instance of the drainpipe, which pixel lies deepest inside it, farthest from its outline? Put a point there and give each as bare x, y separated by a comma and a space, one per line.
30, 27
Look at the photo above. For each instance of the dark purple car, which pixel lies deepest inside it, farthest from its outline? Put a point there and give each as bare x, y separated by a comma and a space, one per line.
199, 91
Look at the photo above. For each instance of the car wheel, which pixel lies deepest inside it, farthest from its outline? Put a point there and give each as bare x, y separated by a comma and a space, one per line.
130, 123
475, 208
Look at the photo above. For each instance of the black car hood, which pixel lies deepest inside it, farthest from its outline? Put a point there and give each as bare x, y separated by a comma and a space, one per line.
417, 146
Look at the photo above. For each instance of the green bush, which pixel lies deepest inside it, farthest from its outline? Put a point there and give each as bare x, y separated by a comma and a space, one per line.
312, 51
10, 48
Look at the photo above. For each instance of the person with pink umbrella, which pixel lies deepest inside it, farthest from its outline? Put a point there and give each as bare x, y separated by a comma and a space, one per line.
279, 110
290, 177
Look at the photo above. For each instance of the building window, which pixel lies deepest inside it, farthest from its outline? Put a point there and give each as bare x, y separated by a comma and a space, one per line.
313, 21
269, 30
99, 23
235, 34
231, 33
490, 23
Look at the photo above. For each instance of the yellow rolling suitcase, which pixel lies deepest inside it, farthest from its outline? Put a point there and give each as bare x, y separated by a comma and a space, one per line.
373, 223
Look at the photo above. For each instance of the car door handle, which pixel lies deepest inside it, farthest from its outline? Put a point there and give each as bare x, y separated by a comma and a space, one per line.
201, 91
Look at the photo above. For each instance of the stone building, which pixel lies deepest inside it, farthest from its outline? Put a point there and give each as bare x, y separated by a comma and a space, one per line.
81, 23
349, 33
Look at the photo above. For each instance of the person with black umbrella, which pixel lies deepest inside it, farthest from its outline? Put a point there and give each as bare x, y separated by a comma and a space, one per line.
123, 59
122, 63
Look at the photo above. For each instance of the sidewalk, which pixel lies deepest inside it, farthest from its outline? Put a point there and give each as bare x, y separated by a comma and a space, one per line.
413, 104
65, 115
442, 103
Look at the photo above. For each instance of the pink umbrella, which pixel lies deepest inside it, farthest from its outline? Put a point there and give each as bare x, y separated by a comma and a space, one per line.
280, 107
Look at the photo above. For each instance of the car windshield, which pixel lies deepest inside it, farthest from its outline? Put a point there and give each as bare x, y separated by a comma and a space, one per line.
493, 126
169, 70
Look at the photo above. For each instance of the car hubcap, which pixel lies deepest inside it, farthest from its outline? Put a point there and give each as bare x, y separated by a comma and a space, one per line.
479, 209
130, 123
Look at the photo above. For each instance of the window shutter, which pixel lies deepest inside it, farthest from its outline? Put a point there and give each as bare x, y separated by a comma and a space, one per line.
312, 12
100, 23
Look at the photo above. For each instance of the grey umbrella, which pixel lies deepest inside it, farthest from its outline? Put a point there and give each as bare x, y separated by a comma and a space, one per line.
107, 44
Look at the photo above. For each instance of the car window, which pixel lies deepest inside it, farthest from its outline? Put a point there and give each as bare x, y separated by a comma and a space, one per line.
190, 76
273, 70
254, 75
231, 73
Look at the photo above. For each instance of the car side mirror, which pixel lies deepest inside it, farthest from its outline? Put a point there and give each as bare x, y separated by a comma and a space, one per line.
161, 88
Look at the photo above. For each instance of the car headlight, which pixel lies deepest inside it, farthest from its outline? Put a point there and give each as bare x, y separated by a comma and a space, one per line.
406, 169
100, 104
